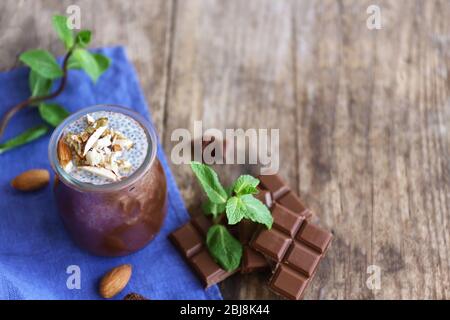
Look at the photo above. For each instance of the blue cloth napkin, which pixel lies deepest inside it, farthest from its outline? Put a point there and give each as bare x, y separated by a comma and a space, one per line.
35, 250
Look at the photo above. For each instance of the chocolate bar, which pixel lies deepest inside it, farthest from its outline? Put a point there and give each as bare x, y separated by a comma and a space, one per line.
298, 268
265, 197
272, 186
190, 240
252, 260
296, 245
281, 193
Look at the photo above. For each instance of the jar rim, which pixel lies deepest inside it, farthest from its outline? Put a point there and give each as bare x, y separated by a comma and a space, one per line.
70, 181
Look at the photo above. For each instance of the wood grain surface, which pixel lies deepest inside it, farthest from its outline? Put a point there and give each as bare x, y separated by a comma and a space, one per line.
363, 115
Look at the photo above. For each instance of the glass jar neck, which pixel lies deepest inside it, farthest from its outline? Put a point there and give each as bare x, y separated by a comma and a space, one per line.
70, 181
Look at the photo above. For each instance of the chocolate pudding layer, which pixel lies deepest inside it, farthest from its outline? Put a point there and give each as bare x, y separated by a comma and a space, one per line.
110, 188
119, 222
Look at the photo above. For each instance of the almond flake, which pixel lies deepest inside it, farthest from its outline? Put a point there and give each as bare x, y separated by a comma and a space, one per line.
115, 168
101, 122
75, 138
119, 135
116, 148
68, 167
93, 139
102, 172
125, 165
94, 158
103, 142
89, 119
84, 136
124, 143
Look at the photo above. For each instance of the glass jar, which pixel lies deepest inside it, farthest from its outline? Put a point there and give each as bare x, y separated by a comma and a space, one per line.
117, 218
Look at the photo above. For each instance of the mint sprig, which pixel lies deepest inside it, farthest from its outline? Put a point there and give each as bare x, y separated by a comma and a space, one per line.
238, 203
45, 71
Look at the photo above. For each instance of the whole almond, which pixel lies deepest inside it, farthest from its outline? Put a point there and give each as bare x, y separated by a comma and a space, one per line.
64, 153
115, 280
31, 180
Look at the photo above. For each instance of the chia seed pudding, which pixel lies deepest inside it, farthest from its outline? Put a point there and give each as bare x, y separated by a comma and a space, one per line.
110, 188
133, 135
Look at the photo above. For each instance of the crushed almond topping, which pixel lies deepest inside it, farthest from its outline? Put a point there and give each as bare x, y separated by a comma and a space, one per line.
97, 149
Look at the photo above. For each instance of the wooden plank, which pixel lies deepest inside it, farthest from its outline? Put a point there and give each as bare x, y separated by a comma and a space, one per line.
373, 144
142, 25
232, 68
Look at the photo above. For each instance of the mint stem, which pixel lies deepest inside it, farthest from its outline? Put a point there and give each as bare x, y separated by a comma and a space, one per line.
35, 100
217, 219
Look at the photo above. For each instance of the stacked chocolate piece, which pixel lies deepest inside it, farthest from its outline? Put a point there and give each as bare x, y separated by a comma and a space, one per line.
293, 248
190, 240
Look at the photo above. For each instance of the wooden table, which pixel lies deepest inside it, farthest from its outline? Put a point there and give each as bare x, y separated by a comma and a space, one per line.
363, 115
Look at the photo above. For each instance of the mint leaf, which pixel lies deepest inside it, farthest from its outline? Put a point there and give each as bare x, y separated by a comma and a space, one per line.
23, 138
83, 38
210, 182
42, 62
88, 62
256, 211
235, 209
63, 31
73, 63
224, 248
245, 184
53, 113
102, 61
39, 86
213, 208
